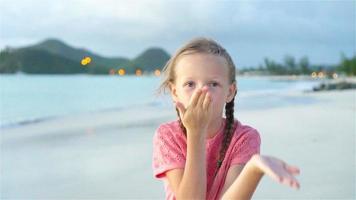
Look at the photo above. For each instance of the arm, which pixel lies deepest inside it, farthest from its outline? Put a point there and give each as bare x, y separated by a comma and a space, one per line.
191, 183
259, 165
245, 184
232, 174
196, 117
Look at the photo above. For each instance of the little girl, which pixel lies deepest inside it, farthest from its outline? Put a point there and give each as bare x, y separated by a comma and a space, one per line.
203, 155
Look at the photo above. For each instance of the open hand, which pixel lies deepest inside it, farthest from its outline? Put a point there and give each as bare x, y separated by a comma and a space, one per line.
277, 169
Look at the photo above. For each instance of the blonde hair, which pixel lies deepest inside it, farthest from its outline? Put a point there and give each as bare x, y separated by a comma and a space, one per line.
209, 46
197, 45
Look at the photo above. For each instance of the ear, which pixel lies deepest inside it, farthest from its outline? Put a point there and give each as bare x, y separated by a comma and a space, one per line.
173, 89
232, 91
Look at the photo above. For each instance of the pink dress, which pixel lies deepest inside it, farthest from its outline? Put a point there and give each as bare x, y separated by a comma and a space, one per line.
170, 147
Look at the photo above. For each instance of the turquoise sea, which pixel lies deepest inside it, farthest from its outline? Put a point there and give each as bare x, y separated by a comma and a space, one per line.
31, 98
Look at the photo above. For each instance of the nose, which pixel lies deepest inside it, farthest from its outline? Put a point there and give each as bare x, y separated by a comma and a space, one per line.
203, 88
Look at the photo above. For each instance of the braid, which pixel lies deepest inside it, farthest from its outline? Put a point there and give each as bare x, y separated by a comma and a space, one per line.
228, 132
181, 124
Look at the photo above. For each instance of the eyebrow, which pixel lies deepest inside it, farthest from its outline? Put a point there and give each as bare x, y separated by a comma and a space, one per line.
211, 78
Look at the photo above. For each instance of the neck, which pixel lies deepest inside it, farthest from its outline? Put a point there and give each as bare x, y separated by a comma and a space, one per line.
214, 127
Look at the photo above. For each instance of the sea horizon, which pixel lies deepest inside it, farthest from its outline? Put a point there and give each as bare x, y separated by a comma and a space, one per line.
30, 99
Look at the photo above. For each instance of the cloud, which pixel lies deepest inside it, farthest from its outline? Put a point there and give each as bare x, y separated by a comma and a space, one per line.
250, 30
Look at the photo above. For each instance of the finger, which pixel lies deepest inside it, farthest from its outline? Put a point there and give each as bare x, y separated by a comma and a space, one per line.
289, 180
292, 169
292, 182
201, 98
180, 108
281, 178
194, 98
207, 101
296, 185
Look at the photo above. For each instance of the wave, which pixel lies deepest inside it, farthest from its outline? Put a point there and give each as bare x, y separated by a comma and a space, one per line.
28, 121
13, 124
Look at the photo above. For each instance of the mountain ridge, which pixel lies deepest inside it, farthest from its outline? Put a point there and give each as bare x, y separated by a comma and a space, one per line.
57, 53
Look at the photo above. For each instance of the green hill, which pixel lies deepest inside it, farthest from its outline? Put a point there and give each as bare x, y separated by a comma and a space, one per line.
54, 56
39, 62
151, 59
58, 47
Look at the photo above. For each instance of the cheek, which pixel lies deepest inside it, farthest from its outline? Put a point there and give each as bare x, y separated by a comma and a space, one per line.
218, 97
184, 96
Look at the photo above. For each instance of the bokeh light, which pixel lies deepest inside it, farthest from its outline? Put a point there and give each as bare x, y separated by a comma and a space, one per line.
313, 75
121, 72
157, 72
138, 72
321, 75
335, 76
86, 60
112, 72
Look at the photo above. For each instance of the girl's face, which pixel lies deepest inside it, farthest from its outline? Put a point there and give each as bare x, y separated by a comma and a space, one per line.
197, 70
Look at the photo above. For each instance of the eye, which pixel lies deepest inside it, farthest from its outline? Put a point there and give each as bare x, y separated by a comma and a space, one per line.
189, 84
213, 84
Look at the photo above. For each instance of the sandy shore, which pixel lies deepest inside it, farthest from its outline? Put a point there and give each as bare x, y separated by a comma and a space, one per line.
107, 155
319, 138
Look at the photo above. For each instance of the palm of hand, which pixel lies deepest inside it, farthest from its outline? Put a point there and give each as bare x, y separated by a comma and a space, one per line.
278, 170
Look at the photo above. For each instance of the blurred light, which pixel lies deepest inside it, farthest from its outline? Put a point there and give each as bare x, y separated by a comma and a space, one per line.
112, 71
335, 75
88, 59
84, 62
320, 74
121, 72
138, 72
157, 72
313, 75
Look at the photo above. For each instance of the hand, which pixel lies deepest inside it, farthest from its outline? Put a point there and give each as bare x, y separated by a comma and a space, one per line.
196, 117
277, 169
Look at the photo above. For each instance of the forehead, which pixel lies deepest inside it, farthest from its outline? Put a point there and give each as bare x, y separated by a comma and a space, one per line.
201, 65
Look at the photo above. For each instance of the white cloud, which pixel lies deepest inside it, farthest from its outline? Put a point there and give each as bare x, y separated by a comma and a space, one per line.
249, 29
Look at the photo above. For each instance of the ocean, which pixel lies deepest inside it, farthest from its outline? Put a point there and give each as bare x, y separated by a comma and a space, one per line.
31, 98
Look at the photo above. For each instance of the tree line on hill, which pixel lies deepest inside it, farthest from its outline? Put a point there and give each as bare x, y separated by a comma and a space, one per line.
53, 56
290, 66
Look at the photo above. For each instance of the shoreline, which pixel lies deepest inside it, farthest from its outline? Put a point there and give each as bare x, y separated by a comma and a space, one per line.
108, 155
153, 105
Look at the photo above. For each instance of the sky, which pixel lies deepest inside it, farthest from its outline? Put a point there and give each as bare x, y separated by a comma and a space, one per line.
249, 30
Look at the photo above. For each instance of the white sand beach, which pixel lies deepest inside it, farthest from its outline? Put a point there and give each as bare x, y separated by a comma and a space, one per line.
107, 155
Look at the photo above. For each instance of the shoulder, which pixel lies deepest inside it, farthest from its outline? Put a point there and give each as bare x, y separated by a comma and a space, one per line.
247, 134
168, 148
168, 128
169, 131
246, 143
